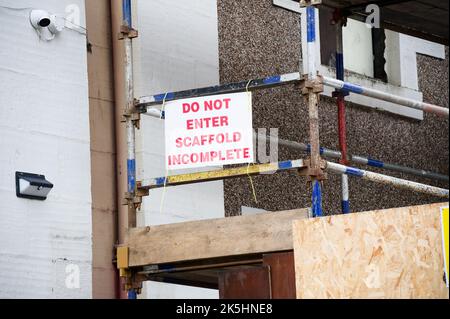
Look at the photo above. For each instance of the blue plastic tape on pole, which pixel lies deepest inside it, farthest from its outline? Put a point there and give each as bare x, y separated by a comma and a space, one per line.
353, 88
340, 66
285, 165
161, 97
131, 173
311, 23
132, 295
346, 207
272, 80
308, 149
317, 200
161, 181
126, 7
375, 163
354, 172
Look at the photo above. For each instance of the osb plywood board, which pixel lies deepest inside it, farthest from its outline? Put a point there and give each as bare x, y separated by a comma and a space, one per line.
394, 253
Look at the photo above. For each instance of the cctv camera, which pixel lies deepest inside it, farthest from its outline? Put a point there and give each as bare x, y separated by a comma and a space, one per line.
40, 19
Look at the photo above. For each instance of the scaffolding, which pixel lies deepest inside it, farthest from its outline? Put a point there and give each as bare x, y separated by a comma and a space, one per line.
314, 167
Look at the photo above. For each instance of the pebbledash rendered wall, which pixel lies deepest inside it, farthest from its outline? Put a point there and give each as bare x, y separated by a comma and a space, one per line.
257, 39
44, 129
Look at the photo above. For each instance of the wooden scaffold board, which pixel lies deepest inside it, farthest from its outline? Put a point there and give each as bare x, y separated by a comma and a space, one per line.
217, 238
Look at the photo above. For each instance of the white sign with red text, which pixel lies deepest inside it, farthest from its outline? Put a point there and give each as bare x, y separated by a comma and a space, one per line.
209, 131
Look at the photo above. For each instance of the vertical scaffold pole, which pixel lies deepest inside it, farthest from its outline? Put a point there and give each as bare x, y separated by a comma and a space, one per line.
313, 105
131, 138
132, 295
127, 35
340, 21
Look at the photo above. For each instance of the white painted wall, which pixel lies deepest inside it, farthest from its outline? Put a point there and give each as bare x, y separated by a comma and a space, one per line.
177, 49
44, 129
245, 211
401, 57
358, 50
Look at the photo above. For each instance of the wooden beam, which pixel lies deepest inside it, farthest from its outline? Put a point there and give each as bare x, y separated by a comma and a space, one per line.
395, 253
234, 236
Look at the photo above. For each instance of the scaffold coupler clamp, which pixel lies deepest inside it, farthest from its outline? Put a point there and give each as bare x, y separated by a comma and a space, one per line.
129, 279
139, 195
135, 200
309, 86
340, 93
127, 33
133, 113
314, 173
307, 3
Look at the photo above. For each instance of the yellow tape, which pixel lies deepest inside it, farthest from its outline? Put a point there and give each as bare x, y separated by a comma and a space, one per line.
240, 171
444, 213
122, 257
251, 184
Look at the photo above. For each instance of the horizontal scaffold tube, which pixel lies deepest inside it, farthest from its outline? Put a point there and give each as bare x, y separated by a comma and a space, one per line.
328, 153
354, 88
156, 112
387, 180
365, 161
201, 177
147, 101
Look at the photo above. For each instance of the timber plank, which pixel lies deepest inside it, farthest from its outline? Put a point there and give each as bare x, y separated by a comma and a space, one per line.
234, 236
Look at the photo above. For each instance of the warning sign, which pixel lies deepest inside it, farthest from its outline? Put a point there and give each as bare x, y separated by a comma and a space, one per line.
209, 131
444, 213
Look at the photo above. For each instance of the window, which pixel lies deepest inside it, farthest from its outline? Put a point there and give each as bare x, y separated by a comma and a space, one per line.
364, 48
376, 58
